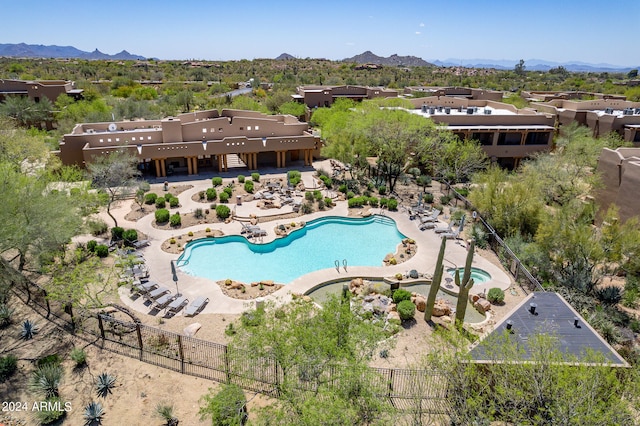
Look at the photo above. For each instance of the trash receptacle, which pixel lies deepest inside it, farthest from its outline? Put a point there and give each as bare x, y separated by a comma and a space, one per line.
239, 200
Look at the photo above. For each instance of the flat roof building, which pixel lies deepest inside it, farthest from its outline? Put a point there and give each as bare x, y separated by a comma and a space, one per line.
620, 172
325, 96
507, 134
454, 91
191, 142
36, 90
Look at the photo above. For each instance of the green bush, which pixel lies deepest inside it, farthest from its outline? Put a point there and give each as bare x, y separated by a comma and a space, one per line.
201, 195
255, 176
306, 208
609, 295
350, 194
427, 197
79, 356
444, 199
174, 202
321, 204
54, 411
328, 201
384, 202
228, 190
130, 235
248, 186
406, 310
342, 188
392, 204
356, 202
495, 295
241, 178
401, 294
308, 196
294, 174
294, 181
150, 198
97, 226
46, 380
317, 195
161, 202
223, 211
175, 220
382, 190
227, 407
116, 233
8, 366
479, 234
463, 191
91, 245
162, 215
211, 194
224, 197
326, 180
216, 181
198, 213
423, 180
6, 314
373, 201
102, 250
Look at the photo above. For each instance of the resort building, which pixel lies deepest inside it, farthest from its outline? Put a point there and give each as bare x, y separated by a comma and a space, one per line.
507, 134
548, 95
455, 92
36, 90
602, 116
204, 140
324, 96
620, 172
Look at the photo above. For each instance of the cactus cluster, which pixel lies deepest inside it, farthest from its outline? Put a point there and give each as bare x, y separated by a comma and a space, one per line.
464, 286
435, 283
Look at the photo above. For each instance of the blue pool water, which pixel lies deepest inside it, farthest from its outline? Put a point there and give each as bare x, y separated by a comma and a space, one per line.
479, 276
361, 241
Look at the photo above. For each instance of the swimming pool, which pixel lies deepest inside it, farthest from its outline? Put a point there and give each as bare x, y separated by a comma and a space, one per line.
361, 241
480, 276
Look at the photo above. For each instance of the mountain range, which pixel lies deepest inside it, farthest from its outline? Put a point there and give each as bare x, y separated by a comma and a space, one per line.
22, 50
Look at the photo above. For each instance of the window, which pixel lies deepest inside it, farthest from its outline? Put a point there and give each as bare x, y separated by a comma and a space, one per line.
257, 127
537, 138
248, 128
509, 138
204, 130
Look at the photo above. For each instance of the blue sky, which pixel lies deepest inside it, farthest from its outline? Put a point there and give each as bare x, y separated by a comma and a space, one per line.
559, 30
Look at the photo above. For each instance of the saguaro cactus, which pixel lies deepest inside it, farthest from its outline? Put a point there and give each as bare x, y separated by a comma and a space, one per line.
435, 283
465, 285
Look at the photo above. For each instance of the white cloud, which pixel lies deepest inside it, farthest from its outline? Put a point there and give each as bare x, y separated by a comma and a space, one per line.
418, 33
421, 24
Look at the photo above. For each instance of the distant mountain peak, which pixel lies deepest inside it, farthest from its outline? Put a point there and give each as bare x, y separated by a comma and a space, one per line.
284, 57
369, 57
23, 50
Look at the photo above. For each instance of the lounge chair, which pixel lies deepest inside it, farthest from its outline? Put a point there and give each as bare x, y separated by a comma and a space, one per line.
258, 232
177, 304
195, 306
141, 243
163, 301
444, 229
146, 287
431, 218
454, 234
157, 293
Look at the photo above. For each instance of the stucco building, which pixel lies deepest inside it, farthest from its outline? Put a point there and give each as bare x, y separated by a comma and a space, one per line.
36, 90
507, 134
191, 142
620, 173
455, 92
325, 96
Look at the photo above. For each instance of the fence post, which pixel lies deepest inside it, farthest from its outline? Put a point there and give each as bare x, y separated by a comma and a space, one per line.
101, 327
139, 339
181, 353
227, 368
390, 390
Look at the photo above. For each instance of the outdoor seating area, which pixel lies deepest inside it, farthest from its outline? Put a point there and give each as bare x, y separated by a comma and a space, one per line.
196, 306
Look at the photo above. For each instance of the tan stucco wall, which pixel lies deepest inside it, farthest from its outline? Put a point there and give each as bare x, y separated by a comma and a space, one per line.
620, 173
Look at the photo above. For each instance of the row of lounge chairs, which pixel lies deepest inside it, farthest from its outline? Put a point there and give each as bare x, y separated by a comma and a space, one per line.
430, 221
162, 298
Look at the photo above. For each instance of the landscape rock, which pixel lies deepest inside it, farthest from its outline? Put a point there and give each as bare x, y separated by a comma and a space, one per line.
441, 308
482, 305
421, 303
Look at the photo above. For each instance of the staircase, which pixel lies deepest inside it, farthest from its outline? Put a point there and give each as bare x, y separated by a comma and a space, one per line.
233, 161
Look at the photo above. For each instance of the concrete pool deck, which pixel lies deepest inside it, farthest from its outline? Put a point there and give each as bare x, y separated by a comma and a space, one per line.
159, 261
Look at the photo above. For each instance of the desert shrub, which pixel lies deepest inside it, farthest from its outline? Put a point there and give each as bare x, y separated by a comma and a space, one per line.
198, 213
165, 412
609, 294
317, 195
401, 294
241, 178
228, 190
252, 318
406, 310
423, 180
172, 241
294, 181
207, 230
479, 234
97, 227
161, 202
211, 194
326, 180
384, 202
174, 202
350, 194
201, 195
495, 295
226, 407
248, 186
427, 198
162, 215
216, 181
116, 233
328, 201
93, 414
8, 366
463, 191
53, 411
255, 176
308, 196
294, 174
6, 314
356, 202
321, 204
342, 188
373, 201
91, 245
104, 384
150, 198
175, 220
102, 250
130, 235
79, 356
190, 233
306, 208
224, 197
392, 204
382, 190
49, 359
445, 199
223, 211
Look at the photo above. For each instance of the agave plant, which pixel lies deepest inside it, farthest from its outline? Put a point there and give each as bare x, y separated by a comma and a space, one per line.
28, 330
104, 384
93, 414
46, 380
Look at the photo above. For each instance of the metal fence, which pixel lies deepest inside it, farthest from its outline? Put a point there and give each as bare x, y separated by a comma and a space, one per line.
421, 393
519, 272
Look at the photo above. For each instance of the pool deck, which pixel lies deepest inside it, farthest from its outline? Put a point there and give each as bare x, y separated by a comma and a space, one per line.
159, 261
